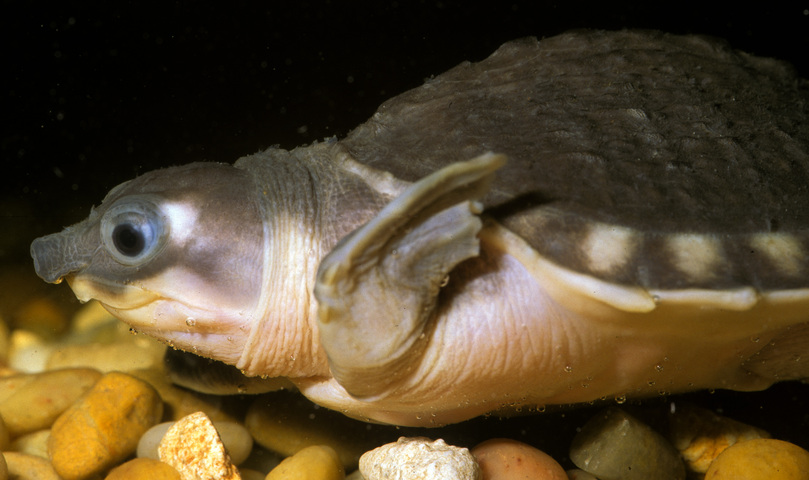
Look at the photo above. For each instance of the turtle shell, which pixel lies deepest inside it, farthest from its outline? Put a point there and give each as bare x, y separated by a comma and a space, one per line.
641, 158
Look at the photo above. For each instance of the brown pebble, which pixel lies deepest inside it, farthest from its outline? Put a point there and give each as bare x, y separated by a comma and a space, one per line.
145, 469
506, 459
193, 447
286, 422
32, 402
249, 474
109, 420
182, 402
29, 467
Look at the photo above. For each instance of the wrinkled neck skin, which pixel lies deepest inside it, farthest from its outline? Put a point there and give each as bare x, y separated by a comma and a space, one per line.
306, 196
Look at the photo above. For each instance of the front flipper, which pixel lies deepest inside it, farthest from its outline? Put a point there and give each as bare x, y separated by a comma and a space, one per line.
378, 287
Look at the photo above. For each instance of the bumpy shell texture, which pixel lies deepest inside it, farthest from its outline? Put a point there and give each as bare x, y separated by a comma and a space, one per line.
646, 140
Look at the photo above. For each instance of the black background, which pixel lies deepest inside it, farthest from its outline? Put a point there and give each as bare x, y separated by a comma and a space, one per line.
94, 94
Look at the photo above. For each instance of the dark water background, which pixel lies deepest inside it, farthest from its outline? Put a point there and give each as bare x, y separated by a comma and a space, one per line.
93, 95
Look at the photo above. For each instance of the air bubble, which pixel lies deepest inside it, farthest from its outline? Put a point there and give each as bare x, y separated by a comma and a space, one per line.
659, 367
568, 368
190, 321
620, 399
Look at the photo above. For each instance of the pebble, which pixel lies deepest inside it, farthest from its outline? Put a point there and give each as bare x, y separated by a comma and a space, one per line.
143, 468
506, 459
31, 402
419, 458
236, 438
93, 318
193, 447
248, 474
285, 422
317, 462
615, 446
760, 459
109, 420
28, 352
355, 475
34, 443
579, 474
181, 402
5, 437
701, 435
5, 341
123, 355
42, 316
29, 467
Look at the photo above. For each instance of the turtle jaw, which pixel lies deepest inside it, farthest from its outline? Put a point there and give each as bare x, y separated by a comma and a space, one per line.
211, 332
113, 294
215, 334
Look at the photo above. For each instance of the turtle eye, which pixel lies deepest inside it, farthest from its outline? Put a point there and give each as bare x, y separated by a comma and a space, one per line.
134, 231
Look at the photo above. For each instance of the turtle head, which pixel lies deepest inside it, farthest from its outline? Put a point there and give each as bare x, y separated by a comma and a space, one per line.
176, 253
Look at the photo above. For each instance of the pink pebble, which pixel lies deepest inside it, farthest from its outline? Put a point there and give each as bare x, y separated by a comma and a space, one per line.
506, 459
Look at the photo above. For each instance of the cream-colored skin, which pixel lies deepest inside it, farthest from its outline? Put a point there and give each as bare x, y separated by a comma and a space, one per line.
359, 326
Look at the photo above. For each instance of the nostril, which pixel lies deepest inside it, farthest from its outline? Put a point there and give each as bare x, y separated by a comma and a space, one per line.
55, 257
39, 253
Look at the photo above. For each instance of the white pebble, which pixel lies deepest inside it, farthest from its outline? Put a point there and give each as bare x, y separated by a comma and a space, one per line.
419, 458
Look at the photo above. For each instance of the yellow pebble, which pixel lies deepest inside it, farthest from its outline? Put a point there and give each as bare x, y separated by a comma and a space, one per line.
108, 420
318, 462
29, 467
32, 402
143, 469
701, 435
761, 459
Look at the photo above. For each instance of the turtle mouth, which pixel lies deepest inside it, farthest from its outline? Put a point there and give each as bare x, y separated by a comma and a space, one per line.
110, 294
212, 334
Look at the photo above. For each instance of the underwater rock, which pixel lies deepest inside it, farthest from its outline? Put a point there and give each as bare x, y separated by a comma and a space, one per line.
419, 458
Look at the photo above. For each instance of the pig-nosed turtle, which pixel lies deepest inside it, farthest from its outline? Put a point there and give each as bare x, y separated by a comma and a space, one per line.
641, 227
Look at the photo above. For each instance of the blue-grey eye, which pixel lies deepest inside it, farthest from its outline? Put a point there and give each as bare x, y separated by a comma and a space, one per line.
134, 230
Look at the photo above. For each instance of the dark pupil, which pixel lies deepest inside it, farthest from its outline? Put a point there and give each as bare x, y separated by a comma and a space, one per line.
127, 239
